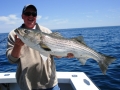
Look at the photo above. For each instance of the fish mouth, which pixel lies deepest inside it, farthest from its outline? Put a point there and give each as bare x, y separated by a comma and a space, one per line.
16, 31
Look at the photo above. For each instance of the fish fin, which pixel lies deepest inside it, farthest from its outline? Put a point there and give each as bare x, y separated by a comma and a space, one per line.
56, 34
104, 63
79, 39
83, 60
46, 48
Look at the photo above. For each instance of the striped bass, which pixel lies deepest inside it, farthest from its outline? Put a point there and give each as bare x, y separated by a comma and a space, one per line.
57, 45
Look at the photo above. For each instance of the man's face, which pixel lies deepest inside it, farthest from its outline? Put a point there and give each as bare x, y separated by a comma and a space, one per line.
29, 19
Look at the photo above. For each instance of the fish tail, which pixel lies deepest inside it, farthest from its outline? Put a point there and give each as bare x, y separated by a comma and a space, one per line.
105, 63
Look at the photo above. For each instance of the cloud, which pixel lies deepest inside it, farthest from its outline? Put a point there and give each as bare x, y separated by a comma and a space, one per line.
10, 19
13, 19
60, 21
46, 17
110, 16
39, 17
88, 16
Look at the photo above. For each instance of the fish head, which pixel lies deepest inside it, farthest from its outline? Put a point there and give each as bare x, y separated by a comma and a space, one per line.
30, 37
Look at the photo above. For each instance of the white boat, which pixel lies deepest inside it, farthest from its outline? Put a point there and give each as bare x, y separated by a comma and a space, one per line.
67, 81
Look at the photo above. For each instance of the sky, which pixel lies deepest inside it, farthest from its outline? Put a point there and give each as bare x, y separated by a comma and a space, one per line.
62, 14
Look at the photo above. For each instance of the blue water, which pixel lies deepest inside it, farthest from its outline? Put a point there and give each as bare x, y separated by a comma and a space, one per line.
103, 39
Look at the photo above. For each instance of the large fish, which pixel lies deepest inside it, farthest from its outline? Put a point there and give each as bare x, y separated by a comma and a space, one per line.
57, 45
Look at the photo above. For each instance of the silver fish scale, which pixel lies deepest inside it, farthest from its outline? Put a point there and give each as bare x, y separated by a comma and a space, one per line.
69, 45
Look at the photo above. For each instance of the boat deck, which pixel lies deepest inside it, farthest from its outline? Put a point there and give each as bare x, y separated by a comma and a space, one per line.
66, 81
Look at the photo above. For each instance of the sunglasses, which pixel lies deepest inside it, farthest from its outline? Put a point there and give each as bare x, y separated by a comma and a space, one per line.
34, 14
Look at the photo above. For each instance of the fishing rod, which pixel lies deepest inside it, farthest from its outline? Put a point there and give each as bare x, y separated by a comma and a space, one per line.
3, 40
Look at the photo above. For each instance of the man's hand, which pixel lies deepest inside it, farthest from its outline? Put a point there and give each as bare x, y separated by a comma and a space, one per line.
17, 47
18, 42
69, 55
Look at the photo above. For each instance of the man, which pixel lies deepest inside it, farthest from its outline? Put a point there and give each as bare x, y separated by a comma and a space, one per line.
33, 72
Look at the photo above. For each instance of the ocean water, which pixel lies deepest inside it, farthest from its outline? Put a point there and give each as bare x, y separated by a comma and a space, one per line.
105, 40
